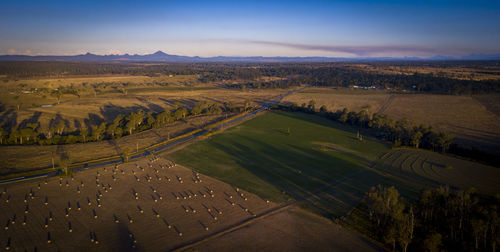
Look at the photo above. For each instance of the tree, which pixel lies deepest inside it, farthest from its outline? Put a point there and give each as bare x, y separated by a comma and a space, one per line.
405, 231
126, 154
64, 164
246, 104
58, 94
3, 133
197, 109
416, 137
229, 107
99, 131
84, 133
312, 105
444, 140
150, 120
180, 113
433, 242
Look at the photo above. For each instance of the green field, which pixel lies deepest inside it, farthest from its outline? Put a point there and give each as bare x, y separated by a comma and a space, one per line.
282, 156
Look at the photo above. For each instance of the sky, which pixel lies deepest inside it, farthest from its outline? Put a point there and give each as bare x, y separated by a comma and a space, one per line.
350, 28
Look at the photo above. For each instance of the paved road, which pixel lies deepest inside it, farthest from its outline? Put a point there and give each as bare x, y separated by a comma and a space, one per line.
157, 149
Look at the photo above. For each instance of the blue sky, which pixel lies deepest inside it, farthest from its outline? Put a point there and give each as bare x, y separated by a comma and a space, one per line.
251, 28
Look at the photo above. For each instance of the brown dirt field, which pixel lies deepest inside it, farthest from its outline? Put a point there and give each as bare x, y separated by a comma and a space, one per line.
292, 230
29, 157
151, 232
473, 120
463, 116
333, 99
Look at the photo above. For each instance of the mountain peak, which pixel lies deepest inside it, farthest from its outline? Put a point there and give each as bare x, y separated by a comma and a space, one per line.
159, 53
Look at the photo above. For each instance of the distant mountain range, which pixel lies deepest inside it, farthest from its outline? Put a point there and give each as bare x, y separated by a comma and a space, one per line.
160, 56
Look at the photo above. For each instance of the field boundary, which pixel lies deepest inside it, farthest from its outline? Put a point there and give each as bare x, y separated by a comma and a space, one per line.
234, 227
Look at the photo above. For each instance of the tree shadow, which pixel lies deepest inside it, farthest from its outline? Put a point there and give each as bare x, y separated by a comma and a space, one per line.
9, 119
188, 103
33, 119
151, 106
58, 119
110, 111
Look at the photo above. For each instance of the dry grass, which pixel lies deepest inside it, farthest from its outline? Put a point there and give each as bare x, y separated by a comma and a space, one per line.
30, 157
111, 100
290, 230
473, 120
335, 99
157, 228
463, 116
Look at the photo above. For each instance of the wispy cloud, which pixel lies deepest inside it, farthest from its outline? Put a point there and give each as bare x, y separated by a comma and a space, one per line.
361, 51
16, 52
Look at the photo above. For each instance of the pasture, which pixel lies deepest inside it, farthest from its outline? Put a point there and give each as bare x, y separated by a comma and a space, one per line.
22, 158
285, 156
149, 205
92, 100
473, 120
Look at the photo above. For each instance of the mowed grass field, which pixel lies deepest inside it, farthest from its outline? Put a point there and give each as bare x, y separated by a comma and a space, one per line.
426, 167
320, 163
473, 120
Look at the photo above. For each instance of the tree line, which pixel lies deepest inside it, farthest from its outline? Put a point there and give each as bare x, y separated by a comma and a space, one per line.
346, 77
122, 125
399, 132
253, 74
455, 220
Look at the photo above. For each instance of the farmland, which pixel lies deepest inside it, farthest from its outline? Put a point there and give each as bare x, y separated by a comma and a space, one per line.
150, 204
283, 173
472, 119
88, 101
292, 156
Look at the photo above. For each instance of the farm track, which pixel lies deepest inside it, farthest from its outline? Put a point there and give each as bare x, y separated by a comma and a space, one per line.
386, 104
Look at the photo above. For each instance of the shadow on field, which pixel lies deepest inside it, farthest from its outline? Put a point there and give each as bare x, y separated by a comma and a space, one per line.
58, 119
32, 119
183, 102
110, 111
151, 106
328, 184
125, 240
9, 119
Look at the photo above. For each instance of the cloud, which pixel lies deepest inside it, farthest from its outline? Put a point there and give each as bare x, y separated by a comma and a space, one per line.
362, 51
113, 51
16, 52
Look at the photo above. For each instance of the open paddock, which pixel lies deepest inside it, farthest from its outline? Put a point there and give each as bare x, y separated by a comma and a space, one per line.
149, 205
